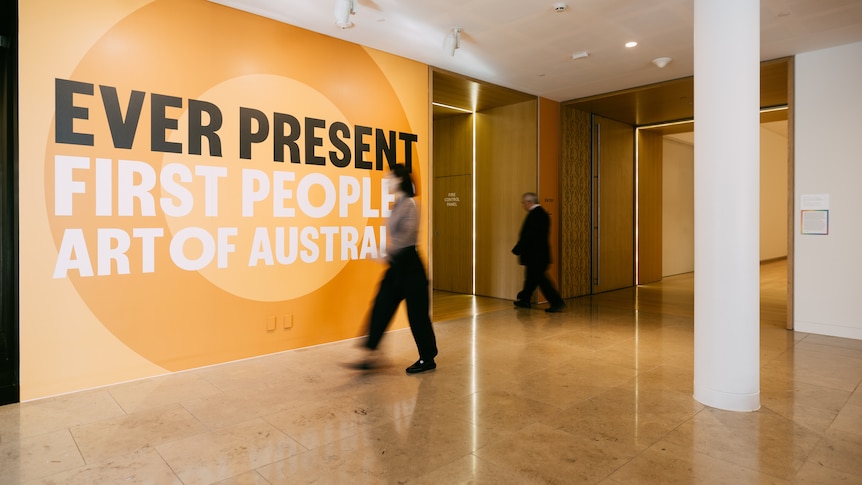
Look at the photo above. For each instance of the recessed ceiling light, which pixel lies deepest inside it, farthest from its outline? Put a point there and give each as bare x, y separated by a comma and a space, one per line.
631, 44
660, 62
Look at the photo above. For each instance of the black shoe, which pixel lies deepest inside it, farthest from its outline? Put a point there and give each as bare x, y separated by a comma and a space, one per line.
421, 366
522, 304
556, 308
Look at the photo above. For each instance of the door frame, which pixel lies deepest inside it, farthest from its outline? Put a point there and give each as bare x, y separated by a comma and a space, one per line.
10, 381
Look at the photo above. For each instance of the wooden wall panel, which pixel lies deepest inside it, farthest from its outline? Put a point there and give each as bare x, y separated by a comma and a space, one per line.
506, 165
649, 207
452, 227
453, 234
453, 145
575, 195
613, 209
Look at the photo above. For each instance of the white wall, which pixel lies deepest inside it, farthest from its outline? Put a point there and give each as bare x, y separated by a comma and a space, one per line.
828, 153
678, 198
677, 206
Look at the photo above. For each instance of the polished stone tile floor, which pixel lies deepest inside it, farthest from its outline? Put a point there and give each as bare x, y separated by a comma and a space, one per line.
601, 393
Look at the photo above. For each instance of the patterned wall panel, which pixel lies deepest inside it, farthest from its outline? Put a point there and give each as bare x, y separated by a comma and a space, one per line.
575, 196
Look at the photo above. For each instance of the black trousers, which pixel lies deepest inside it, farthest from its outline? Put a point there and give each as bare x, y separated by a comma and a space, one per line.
404, 280
535, 275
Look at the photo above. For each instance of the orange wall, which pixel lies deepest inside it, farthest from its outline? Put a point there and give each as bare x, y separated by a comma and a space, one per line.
199, 185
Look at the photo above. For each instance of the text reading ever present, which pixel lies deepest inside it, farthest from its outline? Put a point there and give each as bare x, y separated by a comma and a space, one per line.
302, 140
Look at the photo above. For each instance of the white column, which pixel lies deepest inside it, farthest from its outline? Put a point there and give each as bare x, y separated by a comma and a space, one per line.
727, 204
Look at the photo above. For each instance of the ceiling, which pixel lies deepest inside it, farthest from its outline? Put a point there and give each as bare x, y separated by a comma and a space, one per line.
525, 47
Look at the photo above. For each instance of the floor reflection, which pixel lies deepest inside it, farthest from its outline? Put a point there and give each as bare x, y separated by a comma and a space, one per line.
601, 393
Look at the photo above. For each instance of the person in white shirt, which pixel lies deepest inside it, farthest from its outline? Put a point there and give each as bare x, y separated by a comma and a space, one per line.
405, 279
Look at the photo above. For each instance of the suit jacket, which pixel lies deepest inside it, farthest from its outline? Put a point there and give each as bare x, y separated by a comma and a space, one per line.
533, 247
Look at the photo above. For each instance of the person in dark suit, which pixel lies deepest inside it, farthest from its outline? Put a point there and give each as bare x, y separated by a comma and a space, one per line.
534, 252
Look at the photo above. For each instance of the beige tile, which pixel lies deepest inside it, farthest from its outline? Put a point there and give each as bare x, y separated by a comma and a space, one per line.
501, 411
762, 441
808, 405
230, 408
161, 391
144, 466
61, 412
496, 351
317, 424
632, 354
774, 342
390, 391
633, 419
299, 370
849, 420
814, 419
819, 348
442, 429
834, 342
425, 441
667, 463
452, 381
39, 456
814, 473
516, 326
775, 390
816, 368
610, 481
856, 397
573, 380
667, 339
597, 337
472, 469
839, 451
10, 423
125, 434
247, 478
232, 451
553, 456
352, 460
669, 377
392, 452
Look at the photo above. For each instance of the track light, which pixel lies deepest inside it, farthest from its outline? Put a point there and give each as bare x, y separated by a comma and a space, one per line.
452, 41
343, 11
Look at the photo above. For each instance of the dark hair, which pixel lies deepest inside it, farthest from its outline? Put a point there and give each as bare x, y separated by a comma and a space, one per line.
403, 175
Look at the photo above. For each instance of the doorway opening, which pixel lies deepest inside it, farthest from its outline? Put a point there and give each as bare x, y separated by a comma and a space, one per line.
667, 109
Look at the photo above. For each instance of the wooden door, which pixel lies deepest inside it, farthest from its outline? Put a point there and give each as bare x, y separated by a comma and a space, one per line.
452, 220
453, 233
613, 205
649, 215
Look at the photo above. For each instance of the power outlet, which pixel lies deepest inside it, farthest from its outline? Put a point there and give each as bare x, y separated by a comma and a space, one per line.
270, 323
